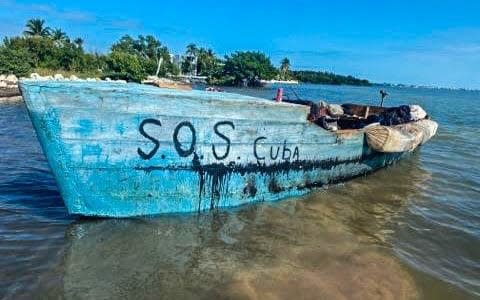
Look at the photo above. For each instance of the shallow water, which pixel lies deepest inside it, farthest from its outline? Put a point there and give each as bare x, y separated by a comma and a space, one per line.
409, 231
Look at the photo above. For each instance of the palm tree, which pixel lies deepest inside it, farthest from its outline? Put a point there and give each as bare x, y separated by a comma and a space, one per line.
78, 42
191, 60
58, 35
206, 61
36, 27
192, 50
285, 65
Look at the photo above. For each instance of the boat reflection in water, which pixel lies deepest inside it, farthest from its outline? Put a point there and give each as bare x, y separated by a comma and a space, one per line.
333, 244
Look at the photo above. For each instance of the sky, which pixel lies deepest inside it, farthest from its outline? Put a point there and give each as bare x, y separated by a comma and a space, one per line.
434, 43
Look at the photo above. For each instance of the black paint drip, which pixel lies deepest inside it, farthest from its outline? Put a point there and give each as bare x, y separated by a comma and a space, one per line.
217, 175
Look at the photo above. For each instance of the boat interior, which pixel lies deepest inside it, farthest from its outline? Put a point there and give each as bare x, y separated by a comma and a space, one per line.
353, 116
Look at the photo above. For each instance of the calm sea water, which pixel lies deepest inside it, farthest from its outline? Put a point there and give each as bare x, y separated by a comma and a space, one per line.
406, 232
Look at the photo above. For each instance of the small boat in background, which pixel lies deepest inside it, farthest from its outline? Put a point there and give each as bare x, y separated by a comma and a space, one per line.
121, 150
213, 89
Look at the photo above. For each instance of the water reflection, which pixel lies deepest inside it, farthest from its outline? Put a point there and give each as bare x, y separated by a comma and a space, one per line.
330, 244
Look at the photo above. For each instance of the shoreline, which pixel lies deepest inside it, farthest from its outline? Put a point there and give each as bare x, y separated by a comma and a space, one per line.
10, 93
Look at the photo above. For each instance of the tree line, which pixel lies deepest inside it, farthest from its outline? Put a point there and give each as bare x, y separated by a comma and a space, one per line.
328, 78
48, 50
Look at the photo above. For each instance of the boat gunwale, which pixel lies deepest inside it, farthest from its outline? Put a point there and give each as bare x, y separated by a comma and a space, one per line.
109, 87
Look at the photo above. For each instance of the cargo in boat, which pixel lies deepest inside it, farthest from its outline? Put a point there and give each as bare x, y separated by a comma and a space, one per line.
121, 150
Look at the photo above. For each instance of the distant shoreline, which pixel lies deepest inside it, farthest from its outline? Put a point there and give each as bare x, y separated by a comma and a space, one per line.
419, 86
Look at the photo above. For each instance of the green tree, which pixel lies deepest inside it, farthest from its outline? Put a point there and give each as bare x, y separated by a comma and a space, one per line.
153, 50
285, 69
123, 65
78, 42
58, 35
15, 61
328, 78
71, 57
125, 44
199, 61
153, 56
42, 50
207, 63
36, 27
55, 55
190, 60
192, 49
247, 68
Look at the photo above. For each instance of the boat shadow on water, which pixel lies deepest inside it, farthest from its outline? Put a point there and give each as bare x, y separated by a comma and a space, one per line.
332, 244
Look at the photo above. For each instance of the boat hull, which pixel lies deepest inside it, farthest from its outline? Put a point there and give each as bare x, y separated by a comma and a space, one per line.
128, 150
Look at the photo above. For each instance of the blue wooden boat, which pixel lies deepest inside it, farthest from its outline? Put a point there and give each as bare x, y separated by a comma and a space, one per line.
122, 150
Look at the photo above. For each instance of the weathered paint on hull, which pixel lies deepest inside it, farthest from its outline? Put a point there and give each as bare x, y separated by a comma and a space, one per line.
127, 150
